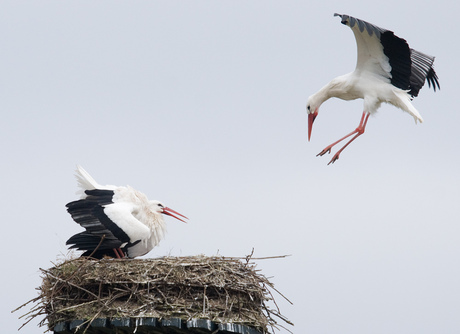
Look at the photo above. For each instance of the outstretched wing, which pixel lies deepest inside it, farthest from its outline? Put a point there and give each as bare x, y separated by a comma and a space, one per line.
383, 53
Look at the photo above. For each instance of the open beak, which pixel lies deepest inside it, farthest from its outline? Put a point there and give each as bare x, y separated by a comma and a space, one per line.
172, 213
311, 119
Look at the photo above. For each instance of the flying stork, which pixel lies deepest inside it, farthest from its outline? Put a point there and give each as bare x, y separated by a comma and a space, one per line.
387, 70
119, 221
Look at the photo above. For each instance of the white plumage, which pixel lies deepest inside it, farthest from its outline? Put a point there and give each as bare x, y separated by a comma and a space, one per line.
119, 221
387, 70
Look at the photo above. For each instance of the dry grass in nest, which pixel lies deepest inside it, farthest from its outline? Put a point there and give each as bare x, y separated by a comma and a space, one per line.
221, 289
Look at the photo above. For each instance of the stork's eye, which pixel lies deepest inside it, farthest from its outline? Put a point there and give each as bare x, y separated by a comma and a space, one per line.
308, 108
160, 205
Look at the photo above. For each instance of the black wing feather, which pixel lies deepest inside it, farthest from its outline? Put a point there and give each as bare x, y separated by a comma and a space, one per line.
398, 52
422, 69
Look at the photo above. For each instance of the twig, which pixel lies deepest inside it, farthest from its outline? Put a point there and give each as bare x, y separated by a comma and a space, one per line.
30, 301
97, 247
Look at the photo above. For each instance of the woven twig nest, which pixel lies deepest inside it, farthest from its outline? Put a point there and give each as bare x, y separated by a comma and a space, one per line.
224, 290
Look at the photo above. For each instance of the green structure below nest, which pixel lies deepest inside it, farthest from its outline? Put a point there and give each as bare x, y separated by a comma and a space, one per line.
151, 325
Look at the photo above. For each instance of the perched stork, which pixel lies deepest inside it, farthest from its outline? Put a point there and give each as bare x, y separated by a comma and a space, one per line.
119, 221
387, 70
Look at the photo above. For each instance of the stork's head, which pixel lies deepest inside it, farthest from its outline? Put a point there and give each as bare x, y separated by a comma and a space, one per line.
312, 111
159, 207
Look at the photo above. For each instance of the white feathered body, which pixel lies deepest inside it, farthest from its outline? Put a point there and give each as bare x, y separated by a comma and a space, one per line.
374, 89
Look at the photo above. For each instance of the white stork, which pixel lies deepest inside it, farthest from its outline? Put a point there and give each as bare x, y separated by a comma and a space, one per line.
119, 221
387, 70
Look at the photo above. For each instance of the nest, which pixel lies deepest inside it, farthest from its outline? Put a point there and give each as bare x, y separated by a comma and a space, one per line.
223, 290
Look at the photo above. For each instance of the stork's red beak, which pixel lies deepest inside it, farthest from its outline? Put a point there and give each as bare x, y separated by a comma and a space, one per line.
171, 212
311, 119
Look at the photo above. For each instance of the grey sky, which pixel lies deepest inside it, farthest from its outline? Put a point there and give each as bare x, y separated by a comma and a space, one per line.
201, 104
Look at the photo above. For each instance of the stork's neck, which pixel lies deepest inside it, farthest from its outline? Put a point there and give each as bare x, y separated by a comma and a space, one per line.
338, 87
321, 96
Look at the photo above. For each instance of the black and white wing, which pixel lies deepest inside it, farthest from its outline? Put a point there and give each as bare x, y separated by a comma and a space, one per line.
383, 53
108, 225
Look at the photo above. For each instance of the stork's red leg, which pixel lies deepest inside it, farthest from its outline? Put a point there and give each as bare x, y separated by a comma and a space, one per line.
118, 253
357, 132
122, 254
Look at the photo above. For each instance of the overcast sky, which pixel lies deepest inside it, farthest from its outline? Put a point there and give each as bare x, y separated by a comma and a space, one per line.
201, 104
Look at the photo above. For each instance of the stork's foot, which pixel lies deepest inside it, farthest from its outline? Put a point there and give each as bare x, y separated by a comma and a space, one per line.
326, 150
334, 158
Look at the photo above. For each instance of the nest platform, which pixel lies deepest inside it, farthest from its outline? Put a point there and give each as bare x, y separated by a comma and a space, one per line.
196, 294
